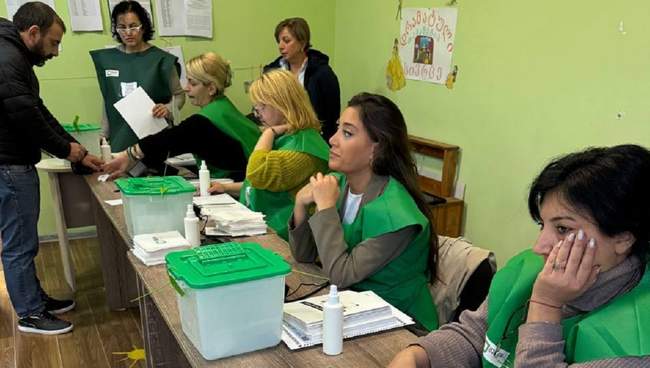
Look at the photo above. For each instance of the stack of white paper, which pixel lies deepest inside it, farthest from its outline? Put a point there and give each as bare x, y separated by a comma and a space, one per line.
151, 249
227, 217
363, 313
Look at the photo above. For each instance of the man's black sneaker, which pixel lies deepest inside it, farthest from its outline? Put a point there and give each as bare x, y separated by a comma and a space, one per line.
58, 306
44, 323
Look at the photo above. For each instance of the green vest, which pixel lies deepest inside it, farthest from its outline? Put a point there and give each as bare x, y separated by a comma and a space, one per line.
277, 206
620, 328
149, 69
402, 282
225, 116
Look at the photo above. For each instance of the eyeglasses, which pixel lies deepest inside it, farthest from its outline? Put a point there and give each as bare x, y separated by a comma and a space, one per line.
125, 30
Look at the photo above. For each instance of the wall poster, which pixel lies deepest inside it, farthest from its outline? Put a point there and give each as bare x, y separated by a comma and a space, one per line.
426, 43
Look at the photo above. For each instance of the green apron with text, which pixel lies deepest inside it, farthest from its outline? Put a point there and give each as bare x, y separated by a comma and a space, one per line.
403, 281
117, 71
278, 206
620, 328
225, 116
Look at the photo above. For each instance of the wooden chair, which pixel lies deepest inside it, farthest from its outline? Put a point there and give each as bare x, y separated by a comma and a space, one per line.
447, 214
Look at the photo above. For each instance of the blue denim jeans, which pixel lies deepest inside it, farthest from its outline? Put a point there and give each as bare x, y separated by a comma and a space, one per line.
19, 210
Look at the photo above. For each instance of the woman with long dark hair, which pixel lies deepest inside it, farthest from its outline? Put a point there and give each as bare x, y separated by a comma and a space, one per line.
371, 228
580, 297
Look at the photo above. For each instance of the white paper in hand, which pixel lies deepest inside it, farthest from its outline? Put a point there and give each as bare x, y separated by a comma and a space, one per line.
136, 108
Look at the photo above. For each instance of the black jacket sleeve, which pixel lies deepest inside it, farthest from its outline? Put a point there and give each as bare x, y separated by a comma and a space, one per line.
26, 114
199, 136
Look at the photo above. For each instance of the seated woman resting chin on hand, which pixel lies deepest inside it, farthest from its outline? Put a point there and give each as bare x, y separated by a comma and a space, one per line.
580, 297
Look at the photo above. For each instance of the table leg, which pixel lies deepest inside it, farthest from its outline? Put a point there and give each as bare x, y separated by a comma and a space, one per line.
62, 231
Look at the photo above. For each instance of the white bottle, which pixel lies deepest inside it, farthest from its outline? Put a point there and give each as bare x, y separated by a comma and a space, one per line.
192, 232
333, 324
204, 179
105, 150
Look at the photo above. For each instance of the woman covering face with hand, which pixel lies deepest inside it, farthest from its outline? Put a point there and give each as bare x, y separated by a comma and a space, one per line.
371, 228
581, 296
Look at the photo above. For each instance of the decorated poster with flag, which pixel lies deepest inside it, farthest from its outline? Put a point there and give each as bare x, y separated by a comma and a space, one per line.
426, 43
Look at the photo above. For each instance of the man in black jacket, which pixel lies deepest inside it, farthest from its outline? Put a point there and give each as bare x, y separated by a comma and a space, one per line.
26, 127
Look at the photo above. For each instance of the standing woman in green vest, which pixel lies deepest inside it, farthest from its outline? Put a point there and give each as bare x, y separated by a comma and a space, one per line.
218, 133
135, 63
581, 296
371, 228
289, 151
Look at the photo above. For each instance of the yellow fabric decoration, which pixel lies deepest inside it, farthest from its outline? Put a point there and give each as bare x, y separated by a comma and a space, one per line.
394, 71
451, 77
135, 355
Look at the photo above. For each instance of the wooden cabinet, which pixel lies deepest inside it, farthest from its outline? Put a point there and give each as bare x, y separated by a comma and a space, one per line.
447, 216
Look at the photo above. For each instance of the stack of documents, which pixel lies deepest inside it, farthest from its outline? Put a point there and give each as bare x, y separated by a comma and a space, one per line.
151, 249
363, 313
227, 217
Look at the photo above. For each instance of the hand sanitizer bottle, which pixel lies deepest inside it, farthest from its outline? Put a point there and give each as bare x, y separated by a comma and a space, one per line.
333, 324
192, 232
105, 150
204, 179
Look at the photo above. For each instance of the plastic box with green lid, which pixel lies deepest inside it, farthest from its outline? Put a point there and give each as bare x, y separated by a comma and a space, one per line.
86, 134
230, 297
155, 204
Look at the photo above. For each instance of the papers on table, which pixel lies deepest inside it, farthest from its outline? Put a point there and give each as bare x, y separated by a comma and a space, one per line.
214, 200
114, 202
185, 159
364, 313
227, 217
151, 249
136, 108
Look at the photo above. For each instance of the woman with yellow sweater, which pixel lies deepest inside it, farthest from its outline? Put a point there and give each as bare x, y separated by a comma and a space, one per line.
289, 151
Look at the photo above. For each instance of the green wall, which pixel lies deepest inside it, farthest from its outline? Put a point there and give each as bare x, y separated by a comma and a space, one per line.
243, 33
536, 79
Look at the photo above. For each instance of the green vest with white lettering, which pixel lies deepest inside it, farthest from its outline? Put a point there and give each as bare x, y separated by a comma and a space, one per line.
278, 206
149, 69
403, 281
620, 328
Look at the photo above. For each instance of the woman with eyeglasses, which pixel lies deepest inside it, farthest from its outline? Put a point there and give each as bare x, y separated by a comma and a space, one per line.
581, 296
218, 133
289, 151
135, 63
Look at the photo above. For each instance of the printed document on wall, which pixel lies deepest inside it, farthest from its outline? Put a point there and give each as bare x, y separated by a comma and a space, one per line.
13, 5
178, 52
426, 43
85, 15
184, 18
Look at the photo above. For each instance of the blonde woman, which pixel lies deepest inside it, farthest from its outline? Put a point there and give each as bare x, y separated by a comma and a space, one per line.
218, 133
289, 151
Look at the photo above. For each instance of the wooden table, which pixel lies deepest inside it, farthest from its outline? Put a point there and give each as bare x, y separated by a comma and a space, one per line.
114, 242
165, 343
71, 207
